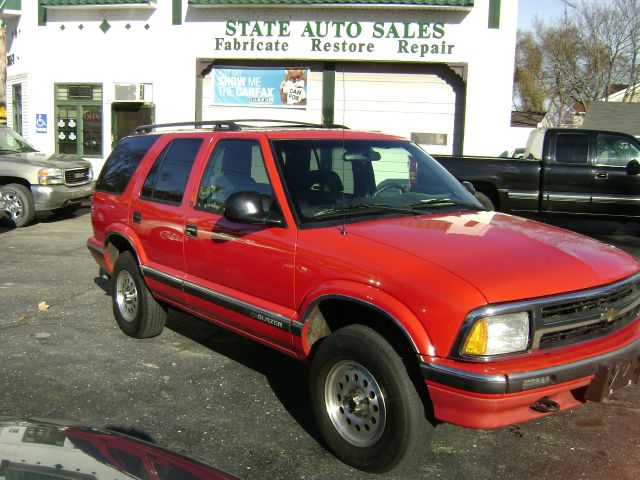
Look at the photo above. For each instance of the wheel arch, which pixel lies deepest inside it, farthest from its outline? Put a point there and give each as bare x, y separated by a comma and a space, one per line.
117, 242
328, 312
6, 180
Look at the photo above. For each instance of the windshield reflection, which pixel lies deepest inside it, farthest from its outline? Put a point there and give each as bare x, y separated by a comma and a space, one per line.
11, 142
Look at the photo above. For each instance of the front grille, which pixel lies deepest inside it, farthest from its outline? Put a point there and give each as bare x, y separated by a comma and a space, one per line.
552, 313
588, 332
589, 316
76, 176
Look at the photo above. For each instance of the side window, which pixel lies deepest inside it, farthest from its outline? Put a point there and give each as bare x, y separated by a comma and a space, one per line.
616, 151
168, 177
234, 166
572, 148
122, 163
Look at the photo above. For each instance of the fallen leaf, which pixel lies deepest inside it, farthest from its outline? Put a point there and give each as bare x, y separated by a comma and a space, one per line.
43, 307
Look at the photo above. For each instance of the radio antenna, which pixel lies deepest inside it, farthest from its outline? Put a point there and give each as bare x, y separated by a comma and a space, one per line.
344, 115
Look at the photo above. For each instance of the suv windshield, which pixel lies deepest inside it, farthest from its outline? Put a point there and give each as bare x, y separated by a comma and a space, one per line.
11, 142
356, 179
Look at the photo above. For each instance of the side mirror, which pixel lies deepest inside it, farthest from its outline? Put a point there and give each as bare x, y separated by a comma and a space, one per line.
633, 167
246, 207
470, 188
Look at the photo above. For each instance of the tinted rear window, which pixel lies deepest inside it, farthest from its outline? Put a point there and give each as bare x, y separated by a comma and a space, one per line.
123, 162
168, 177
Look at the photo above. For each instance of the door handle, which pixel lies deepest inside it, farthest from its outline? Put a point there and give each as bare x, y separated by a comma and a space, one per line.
191, 230
601, 175
137, 217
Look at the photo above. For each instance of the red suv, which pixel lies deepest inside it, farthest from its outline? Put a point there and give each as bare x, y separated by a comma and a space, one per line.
359, 253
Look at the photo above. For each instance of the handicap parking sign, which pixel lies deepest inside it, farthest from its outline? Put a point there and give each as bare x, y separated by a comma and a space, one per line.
41, 123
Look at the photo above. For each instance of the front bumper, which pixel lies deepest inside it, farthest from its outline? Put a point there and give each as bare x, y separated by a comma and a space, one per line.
48, 197
489, 401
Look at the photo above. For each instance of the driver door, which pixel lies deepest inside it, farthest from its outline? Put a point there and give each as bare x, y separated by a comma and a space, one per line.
239, 275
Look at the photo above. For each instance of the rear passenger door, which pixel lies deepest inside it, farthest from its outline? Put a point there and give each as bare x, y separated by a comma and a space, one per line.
616, 187
567, 176
239, 275
156, 216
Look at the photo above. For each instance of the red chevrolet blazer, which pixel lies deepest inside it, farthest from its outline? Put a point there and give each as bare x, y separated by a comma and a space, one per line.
359, 253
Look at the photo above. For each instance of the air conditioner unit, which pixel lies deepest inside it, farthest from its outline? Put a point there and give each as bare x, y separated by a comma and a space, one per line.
133, 92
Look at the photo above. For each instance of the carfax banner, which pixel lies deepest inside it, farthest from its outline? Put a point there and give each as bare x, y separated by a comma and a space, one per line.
280, 87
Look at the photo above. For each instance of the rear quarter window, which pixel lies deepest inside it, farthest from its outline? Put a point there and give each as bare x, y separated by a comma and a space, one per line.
123, 162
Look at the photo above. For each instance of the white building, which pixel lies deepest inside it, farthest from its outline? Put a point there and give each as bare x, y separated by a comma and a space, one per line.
83, 73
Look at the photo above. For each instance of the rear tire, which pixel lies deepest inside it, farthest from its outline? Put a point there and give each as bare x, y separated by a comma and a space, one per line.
137, 313
485, 201
366, 406
19, 205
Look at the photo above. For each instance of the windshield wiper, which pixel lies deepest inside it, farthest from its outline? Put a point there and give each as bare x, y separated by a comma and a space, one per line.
8, 150
444, 202
384, 207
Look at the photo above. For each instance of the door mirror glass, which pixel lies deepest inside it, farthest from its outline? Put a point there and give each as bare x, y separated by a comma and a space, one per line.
246, 207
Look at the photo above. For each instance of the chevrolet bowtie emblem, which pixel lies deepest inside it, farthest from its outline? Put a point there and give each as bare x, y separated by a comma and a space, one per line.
610, 315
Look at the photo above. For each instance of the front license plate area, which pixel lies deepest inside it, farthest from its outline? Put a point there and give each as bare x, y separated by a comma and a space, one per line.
613, 376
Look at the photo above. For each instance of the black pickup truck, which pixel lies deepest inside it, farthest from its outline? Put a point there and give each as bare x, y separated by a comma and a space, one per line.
565, 171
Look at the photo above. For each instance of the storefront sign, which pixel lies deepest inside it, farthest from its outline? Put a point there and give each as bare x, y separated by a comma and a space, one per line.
84, 92
260, 86
427, 41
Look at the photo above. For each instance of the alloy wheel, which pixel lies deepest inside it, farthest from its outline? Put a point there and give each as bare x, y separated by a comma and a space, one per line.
355, 403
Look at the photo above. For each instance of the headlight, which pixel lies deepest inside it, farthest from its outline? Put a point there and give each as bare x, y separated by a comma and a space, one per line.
497, 335
50, 176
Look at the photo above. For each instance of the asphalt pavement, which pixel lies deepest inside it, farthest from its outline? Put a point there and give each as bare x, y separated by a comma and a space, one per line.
242, 407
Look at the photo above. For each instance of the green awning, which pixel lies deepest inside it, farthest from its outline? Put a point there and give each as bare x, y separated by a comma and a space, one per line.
98, 3
333, 3
10, 4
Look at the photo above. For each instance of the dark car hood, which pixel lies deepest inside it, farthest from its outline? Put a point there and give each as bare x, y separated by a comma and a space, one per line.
30, 447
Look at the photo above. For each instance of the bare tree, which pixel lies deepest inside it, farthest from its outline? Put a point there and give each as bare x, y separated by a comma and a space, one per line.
529, 91
592, 49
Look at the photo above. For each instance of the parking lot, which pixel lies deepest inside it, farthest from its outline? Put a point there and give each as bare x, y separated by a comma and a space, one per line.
233, 403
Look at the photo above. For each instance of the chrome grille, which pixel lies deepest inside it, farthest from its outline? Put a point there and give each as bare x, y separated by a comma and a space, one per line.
76, 176
588, 316
553, 312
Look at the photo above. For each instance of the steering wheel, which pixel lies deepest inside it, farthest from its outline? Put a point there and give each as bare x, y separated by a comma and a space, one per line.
389, 186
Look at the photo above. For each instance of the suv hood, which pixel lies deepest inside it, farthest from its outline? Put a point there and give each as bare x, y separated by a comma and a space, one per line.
56, 160
505, 257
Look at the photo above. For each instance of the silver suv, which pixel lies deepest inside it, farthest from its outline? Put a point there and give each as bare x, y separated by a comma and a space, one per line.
32, 181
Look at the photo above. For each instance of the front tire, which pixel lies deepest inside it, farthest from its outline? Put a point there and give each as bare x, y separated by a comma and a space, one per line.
366, 406
137, 313
19, 205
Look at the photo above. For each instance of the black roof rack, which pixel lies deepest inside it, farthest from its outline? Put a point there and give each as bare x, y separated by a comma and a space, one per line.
232, 125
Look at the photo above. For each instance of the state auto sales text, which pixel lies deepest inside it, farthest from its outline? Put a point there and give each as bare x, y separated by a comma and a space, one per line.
417, 38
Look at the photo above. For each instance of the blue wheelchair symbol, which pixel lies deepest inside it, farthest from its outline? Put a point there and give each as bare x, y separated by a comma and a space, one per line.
41, 123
